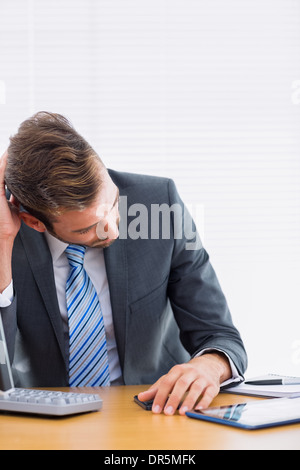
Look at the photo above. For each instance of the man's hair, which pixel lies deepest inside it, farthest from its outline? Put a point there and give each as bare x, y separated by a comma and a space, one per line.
51, 168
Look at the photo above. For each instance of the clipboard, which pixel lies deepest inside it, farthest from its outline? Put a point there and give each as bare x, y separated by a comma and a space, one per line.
253, 415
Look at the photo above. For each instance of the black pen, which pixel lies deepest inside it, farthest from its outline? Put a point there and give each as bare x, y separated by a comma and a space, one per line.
287, 381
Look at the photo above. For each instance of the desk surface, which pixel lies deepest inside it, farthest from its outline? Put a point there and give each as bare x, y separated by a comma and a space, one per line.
122, 424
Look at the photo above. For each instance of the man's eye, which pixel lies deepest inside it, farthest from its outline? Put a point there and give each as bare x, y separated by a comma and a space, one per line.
84, 231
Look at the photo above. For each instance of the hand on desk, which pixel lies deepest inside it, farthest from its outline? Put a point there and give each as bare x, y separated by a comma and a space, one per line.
201, 376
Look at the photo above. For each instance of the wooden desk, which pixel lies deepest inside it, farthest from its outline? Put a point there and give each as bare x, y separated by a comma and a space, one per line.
122, 424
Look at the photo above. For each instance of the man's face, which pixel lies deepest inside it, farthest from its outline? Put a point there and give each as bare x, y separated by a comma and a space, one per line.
95, 226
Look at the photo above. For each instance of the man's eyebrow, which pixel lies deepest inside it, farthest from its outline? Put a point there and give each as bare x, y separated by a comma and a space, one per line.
91, 226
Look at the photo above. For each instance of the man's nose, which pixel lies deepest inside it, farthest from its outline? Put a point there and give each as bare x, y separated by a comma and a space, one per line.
111, 230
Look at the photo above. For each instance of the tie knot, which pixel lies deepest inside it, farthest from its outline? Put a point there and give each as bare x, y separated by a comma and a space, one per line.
75, 255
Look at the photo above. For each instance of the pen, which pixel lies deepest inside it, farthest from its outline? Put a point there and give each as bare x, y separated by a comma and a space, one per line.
288, 381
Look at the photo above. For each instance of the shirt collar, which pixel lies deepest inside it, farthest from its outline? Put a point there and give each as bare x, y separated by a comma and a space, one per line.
56, 246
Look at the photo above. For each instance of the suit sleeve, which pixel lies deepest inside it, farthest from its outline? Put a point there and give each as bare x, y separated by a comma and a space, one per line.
199, 305
9, 319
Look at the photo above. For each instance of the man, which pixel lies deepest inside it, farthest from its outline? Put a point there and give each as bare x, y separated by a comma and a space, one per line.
166, 319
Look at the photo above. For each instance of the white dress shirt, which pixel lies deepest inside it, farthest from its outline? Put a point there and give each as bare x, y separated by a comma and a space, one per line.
94, 265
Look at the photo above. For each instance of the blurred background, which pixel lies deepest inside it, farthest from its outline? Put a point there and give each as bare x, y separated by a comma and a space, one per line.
206, 92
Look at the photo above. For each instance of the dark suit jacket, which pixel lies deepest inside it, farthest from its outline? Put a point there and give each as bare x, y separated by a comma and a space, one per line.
166, 300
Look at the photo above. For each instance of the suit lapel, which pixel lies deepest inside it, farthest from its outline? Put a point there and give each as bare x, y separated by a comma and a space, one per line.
40, 260
116, 270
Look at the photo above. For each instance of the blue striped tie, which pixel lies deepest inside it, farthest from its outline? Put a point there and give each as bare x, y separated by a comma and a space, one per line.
88, 363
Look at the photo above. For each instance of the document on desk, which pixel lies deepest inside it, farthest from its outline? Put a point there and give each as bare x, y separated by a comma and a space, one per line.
272, 391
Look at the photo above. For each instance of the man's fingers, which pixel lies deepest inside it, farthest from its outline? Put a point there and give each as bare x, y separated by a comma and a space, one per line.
3, 162
193, 390
166, 385
5, 154
185, 383
147, 394
196, 390
3, 159
208, 395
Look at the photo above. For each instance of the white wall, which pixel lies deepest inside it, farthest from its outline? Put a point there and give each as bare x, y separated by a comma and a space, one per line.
206, 92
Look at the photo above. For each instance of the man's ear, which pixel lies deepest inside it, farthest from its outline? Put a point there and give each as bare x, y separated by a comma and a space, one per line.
32, 222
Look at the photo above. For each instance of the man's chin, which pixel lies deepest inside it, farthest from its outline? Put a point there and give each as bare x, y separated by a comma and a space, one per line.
102, 243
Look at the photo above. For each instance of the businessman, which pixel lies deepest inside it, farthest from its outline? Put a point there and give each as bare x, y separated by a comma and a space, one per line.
93, 291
